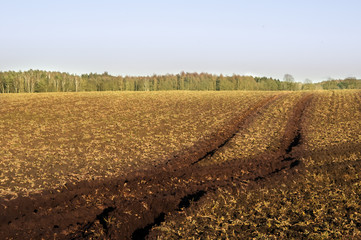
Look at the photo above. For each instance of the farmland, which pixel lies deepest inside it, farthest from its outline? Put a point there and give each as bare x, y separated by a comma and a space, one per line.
322, 202
52, 139
181, 165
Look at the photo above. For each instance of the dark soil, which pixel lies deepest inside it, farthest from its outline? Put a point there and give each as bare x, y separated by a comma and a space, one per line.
141, 201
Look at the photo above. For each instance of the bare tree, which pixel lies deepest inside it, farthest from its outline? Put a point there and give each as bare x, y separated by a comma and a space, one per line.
308, 81
290, 81
288, 78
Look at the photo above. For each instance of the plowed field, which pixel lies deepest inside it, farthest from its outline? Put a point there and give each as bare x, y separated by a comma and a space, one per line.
180, 165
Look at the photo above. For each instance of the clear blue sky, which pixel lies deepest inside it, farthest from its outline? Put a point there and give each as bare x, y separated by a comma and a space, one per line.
308, 39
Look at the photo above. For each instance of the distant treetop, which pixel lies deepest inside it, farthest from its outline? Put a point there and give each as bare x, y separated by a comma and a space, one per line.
45, 81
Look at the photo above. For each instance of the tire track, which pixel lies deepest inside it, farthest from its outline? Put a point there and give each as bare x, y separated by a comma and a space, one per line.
77, 208
290, 141
139, 203
206, 179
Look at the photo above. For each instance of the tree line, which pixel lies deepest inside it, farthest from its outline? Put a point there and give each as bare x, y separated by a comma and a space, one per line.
47, 81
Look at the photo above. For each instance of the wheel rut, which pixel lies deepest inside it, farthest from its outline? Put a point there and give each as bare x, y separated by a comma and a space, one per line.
142, 201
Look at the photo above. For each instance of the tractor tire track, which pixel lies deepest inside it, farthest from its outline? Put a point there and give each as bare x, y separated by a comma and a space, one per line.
226, 174
141, 202
76, 207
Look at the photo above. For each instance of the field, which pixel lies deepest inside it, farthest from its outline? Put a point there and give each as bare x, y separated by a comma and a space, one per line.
181, 165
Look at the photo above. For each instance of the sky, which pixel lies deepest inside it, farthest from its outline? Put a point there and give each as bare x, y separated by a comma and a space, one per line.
314, 40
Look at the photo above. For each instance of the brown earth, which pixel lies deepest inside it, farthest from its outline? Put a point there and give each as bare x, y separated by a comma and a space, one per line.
125, 208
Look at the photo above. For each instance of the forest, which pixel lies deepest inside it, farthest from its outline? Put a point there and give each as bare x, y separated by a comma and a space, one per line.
50, 81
